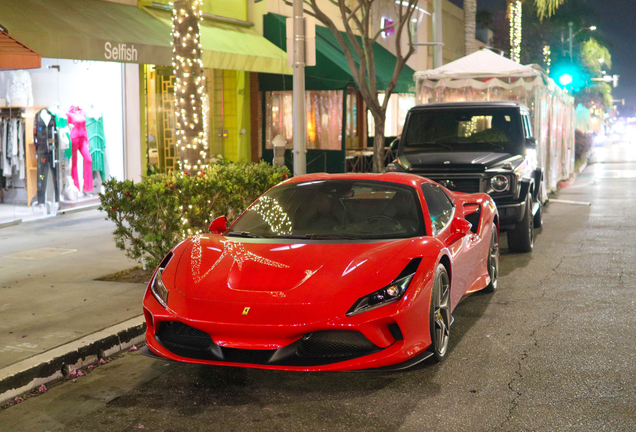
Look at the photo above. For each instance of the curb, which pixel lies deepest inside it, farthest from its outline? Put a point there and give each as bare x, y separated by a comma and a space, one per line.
570, 181
32, 372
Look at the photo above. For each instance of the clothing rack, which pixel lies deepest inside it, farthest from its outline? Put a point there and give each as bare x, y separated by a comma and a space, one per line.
28, 113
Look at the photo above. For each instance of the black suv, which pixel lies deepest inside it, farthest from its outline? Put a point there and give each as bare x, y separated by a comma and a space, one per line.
478, 147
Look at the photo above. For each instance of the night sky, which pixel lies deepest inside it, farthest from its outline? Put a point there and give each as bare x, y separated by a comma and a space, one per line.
617, 22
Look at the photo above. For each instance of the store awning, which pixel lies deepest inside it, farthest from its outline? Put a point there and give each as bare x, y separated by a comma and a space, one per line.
16, 55
331, 71
88, 30
233, 47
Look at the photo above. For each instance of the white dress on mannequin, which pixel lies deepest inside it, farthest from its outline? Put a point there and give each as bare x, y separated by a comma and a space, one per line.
19, 91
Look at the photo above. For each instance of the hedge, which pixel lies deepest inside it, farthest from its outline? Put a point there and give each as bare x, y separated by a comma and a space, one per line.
153, 215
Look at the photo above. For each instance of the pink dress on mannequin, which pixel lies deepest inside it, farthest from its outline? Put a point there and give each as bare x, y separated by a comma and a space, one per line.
79, 142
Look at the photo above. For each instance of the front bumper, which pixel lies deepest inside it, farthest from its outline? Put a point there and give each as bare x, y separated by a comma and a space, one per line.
376, 339
510, 213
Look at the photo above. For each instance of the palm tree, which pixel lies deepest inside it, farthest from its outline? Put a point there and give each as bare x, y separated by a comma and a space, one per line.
470, 12
545, 9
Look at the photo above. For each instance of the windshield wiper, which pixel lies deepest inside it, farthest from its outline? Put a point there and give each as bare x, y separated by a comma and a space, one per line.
315, 236
243, 234
332, 237
423, 143
499, 146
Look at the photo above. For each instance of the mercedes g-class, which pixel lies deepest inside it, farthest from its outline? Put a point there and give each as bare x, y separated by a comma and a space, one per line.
479, 147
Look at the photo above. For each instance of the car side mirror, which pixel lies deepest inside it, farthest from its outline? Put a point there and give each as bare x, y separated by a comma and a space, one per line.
395, 144
218, 225
531, 143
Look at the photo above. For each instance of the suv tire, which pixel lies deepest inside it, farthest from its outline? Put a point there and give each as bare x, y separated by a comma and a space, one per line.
521, 238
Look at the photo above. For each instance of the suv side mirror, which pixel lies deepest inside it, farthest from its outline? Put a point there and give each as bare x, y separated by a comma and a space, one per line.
218, 225
395, 144
531, 143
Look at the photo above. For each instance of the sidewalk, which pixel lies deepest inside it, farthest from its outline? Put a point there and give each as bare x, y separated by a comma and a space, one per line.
52, 310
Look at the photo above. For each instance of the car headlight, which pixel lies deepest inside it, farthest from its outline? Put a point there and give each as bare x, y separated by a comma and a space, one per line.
382, 297
500, 183
157, 286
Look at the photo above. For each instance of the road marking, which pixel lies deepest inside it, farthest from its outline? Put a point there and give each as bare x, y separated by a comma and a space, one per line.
19, 347
34, 254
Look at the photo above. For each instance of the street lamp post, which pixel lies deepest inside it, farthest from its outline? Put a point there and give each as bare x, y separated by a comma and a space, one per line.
571, 35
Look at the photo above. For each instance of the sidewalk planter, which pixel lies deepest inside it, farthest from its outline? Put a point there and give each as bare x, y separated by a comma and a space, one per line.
155, 214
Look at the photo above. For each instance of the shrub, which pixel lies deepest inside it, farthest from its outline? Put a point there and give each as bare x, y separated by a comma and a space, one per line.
582, 145
155, 214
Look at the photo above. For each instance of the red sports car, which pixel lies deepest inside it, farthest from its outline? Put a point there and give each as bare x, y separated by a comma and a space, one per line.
326, 272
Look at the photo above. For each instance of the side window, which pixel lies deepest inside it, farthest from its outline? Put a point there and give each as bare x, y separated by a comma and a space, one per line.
439, 206
527, 126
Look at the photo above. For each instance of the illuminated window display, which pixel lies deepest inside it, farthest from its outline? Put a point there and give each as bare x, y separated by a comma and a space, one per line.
324, 118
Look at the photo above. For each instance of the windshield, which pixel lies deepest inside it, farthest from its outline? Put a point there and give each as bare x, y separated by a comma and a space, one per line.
463, 130
333, 209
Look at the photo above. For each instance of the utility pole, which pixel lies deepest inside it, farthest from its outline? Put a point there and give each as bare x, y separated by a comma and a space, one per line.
570, 24
299, 109
437, 34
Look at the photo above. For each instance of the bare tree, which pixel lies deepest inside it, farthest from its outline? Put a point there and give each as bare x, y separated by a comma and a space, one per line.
356, 16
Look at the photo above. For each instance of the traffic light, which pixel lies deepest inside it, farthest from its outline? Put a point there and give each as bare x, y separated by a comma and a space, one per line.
568, 76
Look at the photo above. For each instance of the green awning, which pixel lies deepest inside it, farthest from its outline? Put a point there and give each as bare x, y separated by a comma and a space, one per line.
108, 31
331, 71
88, 30
232, 47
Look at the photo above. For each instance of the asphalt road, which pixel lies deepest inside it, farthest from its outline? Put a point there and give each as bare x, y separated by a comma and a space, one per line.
552, 350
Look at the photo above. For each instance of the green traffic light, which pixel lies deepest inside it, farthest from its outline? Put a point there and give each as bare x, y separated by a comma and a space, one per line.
565, 79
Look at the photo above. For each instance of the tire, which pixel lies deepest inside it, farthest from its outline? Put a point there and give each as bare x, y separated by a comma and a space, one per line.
521, 238
493, 261
440, 314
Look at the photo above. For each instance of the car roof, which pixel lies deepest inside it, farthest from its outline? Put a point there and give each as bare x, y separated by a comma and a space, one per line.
479, 104
391, 177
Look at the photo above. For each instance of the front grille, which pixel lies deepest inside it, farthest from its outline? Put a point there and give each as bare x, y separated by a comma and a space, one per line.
313, 349
178, 336
334, 343
467, 185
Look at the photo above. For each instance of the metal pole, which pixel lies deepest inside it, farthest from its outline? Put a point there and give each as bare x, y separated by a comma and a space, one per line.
570, 24
300, 123
437, 34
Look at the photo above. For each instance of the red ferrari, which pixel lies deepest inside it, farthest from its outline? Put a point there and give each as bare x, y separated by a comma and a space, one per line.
326, 273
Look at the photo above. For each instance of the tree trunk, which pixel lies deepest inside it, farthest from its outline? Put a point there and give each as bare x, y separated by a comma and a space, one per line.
378, 143
470, 12
189, 86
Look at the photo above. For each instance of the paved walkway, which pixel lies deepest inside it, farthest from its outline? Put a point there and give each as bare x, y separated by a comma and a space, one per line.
48, 292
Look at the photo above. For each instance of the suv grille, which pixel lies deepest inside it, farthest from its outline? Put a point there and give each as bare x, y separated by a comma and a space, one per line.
467, 185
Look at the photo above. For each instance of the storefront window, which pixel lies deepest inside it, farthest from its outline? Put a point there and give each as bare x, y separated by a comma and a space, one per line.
161, 155
76, 108
324, 118
397, 109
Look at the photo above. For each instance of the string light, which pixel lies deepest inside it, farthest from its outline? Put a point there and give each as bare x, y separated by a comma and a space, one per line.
546, 58
515, 30
191, 141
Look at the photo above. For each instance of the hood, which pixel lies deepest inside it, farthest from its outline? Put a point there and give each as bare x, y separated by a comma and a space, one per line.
453, 161
222, 269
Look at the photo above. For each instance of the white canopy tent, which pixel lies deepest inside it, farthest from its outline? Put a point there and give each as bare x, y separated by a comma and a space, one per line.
486, 76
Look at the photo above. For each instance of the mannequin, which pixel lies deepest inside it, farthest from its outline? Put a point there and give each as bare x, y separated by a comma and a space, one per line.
45, 138
79, 142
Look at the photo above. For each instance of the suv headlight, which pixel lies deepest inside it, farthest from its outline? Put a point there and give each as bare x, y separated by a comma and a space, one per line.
157, 286
500, 183
382, 297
